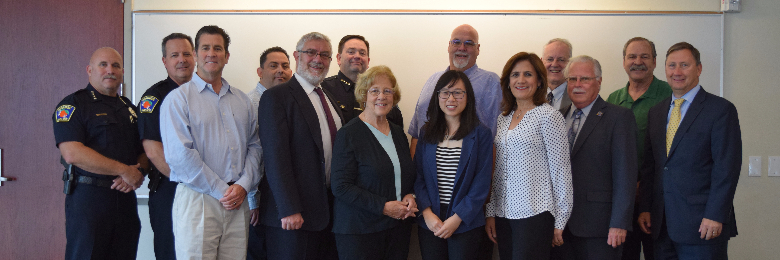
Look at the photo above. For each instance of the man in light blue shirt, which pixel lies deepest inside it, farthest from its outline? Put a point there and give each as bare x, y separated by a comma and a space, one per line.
209, 133
274, 70
463, 50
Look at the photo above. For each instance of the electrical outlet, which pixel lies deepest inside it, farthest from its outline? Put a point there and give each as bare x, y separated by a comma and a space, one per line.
774, 166
754, 166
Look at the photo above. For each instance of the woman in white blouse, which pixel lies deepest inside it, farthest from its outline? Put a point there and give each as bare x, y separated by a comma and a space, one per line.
531, 197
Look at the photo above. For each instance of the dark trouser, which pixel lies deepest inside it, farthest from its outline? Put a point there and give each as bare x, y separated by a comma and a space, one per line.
585, 248
485, 246
256, 243
666, 249
160, 205
637, 241
465, 245
301, 244
391, 244
101, 223
528, 238
297, 244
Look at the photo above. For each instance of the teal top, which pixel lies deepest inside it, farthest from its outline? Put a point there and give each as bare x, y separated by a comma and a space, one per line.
657, 92
387, 143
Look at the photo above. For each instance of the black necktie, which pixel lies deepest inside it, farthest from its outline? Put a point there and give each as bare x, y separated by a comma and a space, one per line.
550, 98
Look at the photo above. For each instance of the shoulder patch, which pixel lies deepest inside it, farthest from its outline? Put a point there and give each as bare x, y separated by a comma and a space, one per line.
148, 103
64, 113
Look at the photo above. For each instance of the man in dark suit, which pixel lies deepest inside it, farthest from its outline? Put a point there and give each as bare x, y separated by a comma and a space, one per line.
602, 138
693, 154
298, 123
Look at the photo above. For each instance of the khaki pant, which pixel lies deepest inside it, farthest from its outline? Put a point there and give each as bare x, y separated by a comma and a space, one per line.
203, 229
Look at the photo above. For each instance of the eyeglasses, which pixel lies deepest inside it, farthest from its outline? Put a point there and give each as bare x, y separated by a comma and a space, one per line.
458, 94
583, 80
323, 54
469, 43
375, 92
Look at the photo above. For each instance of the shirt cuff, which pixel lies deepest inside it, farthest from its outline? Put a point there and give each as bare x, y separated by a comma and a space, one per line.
254, 199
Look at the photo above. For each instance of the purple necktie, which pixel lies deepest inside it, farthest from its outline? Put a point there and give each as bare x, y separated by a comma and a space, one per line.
328, 115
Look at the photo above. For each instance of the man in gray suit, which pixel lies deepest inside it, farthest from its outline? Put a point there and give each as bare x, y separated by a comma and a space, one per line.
602, 138
555, 56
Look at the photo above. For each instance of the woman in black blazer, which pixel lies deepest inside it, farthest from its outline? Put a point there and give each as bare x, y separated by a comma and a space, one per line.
454, 159
372, 176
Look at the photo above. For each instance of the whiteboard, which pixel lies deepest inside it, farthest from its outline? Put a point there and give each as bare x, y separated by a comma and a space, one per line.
414, 45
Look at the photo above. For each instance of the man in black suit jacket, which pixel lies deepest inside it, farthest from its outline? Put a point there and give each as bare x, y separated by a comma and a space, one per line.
298, 123
604, 168
693, 156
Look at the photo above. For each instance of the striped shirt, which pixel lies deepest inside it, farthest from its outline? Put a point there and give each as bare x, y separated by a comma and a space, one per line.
446, 165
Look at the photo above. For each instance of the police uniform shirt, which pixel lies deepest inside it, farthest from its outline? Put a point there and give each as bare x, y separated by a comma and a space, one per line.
149, 109
343, 90
105, 124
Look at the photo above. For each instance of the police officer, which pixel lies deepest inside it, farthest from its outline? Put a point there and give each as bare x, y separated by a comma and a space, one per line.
96, 132
177, 56
353, 59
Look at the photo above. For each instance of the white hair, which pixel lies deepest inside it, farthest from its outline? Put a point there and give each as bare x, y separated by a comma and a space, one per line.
583, 59
561, 40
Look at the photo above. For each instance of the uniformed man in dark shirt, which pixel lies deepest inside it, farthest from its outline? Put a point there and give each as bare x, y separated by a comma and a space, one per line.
96, 132
177, 56
353, 59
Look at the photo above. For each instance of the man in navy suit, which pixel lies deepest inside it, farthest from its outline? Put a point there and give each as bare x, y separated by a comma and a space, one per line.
298, 123
693, 156
602, 137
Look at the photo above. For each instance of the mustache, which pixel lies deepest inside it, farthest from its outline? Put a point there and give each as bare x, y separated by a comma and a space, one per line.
461, 53
638, 67
109, 77
317, 65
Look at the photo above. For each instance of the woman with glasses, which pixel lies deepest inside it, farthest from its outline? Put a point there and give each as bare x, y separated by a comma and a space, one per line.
454, 160
531, 197
372, 176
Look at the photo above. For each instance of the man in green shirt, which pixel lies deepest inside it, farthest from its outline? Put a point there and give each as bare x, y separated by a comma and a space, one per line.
642, 92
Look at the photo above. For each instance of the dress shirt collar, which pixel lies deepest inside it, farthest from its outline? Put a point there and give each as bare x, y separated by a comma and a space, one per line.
202, 85
687, 96
585, 110
469, 72
307, 87
260, 88
559, 91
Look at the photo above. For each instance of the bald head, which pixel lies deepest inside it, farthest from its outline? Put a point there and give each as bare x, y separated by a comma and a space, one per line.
466, 29
463, 47
105, 71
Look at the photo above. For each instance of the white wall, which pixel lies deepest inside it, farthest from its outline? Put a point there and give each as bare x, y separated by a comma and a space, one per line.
414, 46
750, 79
621, 5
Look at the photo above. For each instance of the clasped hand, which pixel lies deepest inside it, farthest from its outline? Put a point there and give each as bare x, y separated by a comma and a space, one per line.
401, 209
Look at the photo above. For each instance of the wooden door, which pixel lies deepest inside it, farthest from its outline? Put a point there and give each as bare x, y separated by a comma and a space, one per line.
45, 46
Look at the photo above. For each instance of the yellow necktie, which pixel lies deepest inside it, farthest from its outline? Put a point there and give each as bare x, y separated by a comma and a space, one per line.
674, 122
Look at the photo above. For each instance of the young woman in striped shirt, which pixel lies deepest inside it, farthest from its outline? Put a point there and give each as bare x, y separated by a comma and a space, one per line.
454, 163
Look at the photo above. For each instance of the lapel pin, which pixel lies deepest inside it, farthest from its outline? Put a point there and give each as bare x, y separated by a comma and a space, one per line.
599, 113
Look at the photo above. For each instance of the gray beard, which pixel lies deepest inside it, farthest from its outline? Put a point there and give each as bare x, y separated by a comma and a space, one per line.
460, 65
309, 77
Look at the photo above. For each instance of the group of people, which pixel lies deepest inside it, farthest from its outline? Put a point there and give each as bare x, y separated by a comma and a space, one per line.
309, 167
